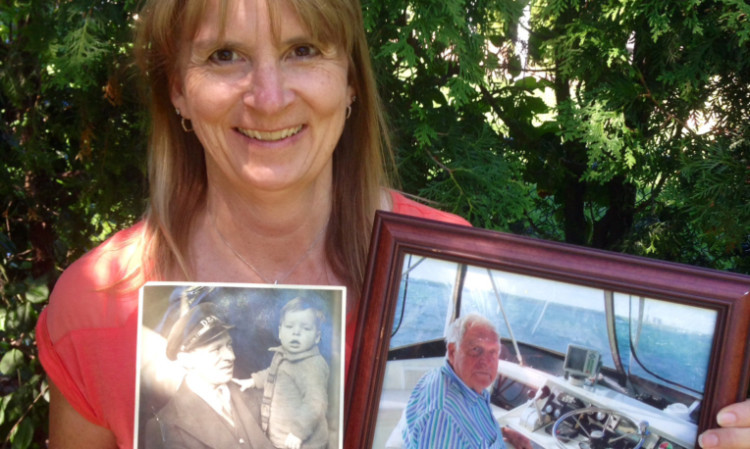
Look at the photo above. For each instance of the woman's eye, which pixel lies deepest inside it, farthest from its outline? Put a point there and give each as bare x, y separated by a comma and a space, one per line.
304, 51
224, 55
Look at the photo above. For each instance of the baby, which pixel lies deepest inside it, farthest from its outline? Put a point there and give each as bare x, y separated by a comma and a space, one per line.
295, 385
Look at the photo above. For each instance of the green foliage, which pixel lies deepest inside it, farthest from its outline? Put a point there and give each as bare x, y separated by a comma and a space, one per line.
71, 135
610, 144
22, 408
705, 196
611, 135
629, 80
435, 61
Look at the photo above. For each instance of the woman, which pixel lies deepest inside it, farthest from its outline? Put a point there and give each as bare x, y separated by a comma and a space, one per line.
266, 165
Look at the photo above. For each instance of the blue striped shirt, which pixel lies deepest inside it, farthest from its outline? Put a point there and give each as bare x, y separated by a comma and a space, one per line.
443, 412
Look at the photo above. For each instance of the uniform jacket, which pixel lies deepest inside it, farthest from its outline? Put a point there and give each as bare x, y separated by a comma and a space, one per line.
188, 422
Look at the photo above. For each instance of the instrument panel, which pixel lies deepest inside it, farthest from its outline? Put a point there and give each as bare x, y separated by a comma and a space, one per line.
565, 415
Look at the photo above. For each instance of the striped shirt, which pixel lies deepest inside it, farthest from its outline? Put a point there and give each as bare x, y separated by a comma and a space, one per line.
443, 412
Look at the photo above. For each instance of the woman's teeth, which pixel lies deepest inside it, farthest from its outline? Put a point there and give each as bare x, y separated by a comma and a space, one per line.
271, 136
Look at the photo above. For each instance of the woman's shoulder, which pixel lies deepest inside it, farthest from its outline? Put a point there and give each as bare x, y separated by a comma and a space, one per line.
401, 204
107, 263
100, 289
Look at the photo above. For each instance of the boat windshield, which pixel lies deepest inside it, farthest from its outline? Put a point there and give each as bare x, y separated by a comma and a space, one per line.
664, 342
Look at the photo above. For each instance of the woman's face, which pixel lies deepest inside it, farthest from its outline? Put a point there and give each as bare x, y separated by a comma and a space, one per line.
268, 111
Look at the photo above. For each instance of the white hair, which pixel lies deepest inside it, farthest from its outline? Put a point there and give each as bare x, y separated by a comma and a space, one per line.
458, 327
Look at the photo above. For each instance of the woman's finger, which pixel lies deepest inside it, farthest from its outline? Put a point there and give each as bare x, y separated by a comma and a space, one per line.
732, 438
735, 432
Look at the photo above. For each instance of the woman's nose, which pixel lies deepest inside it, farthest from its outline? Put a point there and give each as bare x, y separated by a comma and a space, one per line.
267, 91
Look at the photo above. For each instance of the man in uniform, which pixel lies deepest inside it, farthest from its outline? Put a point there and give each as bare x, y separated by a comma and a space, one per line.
208, 410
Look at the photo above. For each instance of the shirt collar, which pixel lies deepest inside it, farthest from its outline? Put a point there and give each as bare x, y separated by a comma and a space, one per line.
206, 392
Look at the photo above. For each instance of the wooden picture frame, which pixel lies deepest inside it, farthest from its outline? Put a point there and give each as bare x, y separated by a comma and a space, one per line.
723, 295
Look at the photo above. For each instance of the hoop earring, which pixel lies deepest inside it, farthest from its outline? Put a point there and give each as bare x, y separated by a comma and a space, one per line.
349, 108
186, 125
183, 121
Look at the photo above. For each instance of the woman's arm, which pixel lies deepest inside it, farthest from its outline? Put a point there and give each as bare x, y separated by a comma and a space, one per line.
69, 430
735, 432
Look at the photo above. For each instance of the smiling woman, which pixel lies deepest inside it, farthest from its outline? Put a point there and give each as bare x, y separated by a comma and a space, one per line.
266, 88
262, 167
247, 91
266, 165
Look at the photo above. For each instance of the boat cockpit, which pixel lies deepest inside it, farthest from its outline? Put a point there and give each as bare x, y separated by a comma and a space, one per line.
580, 367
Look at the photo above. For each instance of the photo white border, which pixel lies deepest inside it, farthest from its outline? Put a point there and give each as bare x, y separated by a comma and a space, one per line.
338, 339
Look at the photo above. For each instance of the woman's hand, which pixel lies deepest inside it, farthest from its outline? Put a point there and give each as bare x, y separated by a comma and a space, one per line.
735, 428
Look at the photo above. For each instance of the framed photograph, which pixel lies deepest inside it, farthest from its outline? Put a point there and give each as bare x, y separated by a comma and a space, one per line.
598, 349
239, 365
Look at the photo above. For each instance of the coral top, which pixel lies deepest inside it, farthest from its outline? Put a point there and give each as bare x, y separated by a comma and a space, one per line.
87, 335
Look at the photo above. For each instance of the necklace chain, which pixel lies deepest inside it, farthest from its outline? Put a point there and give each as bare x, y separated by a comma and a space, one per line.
255, 270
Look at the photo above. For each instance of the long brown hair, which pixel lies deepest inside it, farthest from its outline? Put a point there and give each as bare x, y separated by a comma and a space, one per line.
177, 167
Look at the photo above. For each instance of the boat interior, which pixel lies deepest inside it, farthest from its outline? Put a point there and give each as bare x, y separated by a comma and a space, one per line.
580, 367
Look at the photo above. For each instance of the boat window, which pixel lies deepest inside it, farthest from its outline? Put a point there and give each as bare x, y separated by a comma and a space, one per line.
424, 303
665, 342
540, 312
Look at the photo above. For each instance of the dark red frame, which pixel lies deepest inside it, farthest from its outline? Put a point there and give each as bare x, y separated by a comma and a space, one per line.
396, 235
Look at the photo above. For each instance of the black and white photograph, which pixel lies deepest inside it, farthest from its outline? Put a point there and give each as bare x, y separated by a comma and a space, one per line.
240, 366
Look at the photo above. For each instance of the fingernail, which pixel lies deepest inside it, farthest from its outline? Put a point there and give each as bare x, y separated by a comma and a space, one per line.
707, 440
726, 419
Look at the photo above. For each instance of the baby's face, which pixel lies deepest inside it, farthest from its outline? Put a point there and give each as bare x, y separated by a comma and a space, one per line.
298, 331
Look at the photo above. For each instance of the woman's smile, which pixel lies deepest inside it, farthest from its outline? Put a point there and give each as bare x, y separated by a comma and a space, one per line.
270, 136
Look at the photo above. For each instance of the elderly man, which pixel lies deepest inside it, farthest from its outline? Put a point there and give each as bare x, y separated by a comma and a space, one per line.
449, 407
208, 410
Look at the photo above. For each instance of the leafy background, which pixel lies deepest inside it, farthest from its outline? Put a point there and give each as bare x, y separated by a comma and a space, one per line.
615, 124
